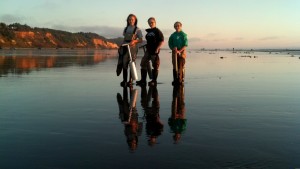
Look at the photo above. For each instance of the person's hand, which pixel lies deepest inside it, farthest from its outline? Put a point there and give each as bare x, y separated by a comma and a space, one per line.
156, 51
179, 51
132, 43
174, 50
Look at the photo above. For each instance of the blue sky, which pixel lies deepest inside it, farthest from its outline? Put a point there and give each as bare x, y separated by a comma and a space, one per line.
208, 23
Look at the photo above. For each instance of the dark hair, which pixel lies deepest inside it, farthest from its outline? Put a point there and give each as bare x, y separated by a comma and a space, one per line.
178, 23
136, 20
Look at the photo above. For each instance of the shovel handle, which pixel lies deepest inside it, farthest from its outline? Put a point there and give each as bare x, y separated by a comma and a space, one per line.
127, 44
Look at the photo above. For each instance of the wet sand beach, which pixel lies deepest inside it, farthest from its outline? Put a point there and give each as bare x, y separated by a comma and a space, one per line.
66, 109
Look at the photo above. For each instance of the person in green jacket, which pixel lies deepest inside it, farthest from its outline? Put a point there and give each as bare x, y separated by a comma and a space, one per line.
178, 43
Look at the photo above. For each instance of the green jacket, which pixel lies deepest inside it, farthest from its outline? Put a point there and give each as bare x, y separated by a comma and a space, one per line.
178, 39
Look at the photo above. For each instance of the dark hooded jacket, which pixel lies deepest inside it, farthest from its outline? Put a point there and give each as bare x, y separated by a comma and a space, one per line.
154, 36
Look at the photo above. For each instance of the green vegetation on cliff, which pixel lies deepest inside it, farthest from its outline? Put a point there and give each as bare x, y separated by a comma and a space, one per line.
23, 36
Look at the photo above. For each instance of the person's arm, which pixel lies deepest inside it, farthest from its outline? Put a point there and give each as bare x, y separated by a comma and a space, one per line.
161, 40
159, 46
136, 41
181, 50
139, 38
170, 43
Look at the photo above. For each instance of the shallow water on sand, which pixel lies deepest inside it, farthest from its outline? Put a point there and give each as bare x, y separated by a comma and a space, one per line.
66, 109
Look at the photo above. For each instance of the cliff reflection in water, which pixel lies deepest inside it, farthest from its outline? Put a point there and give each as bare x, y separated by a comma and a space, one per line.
25, 61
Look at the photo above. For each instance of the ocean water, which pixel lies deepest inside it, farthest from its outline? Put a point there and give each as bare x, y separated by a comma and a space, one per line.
66, 109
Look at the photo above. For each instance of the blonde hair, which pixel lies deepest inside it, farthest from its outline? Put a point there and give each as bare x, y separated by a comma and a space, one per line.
152, 19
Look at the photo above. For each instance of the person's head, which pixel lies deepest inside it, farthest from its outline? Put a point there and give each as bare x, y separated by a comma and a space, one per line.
177, 26
132, 20
152, 22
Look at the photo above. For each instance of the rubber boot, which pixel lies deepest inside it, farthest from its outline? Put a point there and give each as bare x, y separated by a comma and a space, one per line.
125, 74
143, 80
154, 78
175, 78
155, 94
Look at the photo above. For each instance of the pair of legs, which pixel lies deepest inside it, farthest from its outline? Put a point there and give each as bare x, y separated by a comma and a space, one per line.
178, 61
125, 76
144, 69
126, 61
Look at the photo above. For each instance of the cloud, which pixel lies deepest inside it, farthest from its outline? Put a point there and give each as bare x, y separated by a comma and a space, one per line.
269, 38
211, 34
106, 31
7, 18
219, 40
52, 5
48, 5
195, 39
167, 32
239, 38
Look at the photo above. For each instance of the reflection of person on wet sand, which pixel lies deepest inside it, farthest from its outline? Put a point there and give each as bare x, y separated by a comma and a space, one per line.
177, 121
129, 117
133, 130
154, 126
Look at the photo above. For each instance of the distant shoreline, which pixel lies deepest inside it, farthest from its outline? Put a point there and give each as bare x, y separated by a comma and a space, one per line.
230, 50
242, 49
7, 48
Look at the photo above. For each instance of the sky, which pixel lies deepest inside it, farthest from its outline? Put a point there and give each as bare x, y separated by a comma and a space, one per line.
210, 24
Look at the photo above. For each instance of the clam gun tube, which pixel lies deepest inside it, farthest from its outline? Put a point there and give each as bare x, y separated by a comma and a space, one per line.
131, 64
133, 99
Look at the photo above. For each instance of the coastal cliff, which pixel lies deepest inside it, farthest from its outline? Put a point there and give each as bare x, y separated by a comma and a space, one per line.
23, 36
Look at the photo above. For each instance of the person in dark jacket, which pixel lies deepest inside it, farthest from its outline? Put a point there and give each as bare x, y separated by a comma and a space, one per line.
155, 40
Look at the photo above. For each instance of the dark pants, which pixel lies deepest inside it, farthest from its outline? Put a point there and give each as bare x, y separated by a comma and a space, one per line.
154, 60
